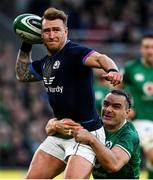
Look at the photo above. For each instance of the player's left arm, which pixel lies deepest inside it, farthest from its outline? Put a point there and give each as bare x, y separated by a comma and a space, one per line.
97, 60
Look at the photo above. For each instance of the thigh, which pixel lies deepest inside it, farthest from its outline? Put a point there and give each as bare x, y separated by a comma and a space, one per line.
78, 168
54, 146
100, 134
44, 166
83, 150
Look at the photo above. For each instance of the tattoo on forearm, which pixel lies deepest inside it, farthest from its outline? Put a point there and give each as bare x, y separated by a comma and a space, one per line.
23, 72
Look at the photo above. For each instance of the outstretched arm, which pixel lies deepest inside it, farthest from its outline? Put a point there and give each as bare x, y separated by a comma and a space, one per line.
22, 70
97, 60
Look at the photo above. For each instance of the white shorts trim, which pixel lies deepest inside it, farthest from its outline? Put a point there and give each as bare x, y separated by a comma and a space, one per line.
62, 148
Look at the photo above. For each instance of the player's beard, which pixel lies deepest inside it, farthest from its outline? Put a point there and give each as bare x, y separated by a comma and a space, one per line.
52, 49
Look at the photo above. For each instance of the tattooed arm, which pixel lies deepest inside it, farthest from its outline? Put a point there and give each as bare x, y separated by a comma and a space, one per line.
22, 70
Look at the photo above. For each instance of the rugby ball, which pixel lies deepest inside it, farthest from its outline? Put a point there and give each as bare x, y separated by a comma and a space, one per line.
28, 28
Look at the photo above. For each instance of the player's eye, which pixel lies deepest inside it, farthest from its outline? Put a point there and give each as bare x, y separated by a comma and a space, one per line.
116, 106
45, 30
56, 29
106, 104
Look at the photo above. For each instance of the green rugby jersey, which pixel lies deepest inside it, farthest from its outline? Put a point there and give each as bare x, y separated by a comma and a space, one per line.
138, 81
127, 139
100, 93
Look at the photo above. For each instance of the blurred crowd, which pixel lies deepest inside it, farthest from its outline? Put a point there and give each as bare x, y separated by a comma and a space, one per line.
117, 20
24, 112
24, 109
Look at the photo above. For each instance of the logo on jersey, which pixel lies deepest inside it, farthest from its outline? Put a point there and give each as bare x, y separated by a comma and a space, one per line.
139, 77
108, 144
56, 65
49, 77
148, 88
57, 89
48, 81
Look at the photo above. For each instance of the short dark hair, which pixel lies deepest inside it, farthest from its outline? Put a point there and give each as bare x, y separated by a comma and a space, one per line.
121, 92
53, 13
148, 35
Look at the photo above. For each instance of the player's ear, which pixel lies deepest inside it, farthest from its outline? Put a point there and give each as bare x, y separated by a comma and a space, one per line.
66, 29
128, 111
131, 114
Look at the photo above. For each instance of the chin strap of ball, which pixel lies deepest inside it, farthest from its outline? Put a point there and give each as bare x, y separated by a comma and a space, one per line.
26, 47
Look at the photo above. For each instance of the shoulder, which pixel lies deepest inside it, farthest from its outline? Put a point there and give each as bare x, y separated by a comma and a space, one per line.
71, 44
130, 67
132, 63
128, 139
76, 47
129, 131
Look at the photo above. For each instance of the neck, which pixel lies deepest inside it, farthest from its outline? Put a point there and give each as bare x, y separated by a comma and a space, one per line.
111, 128
52, 52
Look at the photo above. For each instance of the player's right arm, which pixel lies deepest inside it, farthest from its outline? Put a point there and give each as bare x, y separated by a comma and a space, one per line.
23, 60
112, 160
102, 61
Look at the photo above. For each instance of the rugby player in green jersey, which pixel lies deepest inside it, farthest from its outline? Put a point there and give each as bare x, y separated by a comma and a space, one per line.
120, 158
138, 80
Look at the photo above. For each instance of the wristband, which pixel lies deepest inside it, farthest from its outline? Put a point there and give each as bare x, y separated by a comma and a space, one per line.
26, 47
113, 70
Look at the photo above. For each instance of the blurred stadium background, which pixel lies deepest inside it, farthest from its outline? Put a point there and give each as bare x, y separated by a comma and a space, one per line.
114, 27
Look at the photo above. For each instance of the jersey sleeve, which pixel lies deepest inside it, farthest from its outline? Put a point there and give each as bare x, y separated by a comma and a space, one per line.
87, 55
128, 142
81, 53
36, 69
